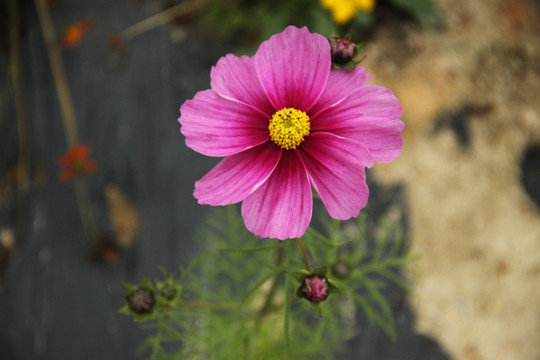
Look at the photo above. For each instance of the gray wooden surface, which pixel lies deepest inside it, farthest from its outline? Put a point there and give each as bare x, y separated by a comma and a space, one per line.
55, 303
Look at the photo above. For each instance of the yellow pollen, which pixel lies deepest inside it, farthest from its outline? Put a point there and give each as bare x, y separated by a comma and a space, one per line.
288, 127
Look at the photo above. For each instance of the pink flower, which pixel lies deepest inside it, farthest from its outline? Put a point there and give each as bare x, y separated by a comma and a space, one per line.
286, 122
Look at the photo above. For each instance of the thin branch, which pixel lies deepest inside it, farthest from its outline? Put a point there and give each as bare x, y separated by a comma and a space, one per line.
160, 19
206, 305
5, 93
68, 112
23, 163
304, 254
57, 67
273, 289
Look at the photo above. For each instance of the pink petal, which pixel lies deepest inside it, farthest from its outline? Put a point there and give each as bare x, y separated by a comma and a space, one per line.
281, 208
235, 78
336, 168
237, 176
215, 126
293, 67
341, 83
369, 115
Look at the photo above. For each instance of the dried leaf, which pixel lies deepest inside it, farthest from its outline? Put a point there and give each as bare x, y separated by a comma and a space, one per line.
124, 216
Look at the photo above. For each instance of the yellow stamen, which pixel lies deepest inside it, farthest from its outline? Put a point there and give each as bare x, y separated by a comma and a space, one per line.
288, 127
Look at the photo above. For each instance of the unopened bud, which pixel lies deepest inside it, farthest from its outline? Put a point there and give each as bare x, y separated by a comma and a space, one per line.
341, 269
342, 50
315, 288
169, 292
140, 301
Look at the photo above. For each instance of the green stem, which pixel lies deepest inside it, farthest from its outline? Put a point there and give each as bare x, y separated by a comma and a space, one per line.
23, 163
68, 112
304, 254
287, 306
206, 305
57, 67
156, 346
85, 210
267, 306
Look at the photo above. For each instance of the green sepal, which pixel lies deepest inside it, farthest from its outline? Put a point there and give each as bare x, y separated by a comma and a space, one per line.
318, 308
299, 293
125, 310
146, 284
334, 288
300, 275
129, 287
151, 315
321, 271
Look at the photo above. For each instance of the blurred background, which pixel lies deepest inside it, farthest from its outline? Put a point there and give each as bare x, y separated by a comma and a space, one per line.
108, 77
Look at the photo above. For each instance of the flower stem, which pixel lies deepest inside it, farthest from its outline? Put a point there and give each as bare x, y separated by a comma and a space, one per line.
304, 254
85, 210
57, 67
287, 307
68, 112
23, 162
266, 307
206, 305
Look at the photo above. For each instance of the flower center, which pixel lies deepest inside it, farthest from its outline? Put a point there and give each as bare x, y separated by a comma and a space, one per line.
288, 127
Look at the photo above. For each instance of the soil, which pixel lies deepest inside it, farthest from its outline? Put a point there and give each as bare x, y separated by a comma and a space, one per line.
470, 172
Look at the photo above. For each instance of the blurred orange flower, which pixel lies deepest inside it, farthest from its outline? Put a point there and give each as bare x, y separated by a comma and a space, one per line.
75, 32
76, 163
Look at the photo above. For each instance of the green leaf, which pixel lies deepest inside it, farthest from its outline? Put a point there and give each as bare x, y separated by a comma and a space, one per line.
262, 281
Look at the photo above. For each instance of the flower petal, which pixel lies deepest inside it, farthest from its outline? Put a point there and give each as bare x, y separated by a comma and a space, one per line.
336, 168
293, 67
237, 176
281, 208
369, 115
215, 126
341, 83
235, 78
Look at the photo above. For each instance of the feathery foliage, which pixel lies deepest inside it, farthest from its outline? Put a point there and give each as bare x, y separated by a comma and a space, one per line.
235, 300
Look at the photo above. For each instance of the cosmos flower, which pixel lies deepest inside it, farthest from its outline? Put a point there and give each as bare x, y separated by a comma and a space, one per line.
286, 122
76, 163
343, 10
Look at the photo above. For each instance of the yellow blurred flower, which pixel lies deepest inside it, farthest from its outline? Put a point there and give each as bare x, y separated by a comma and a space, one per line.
343, 10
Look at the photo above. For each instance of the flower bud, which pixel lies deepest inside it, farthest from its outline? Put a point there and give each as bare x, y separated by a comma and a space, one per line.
140, 301
342, 50
169, 292
315, 288
341, 269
